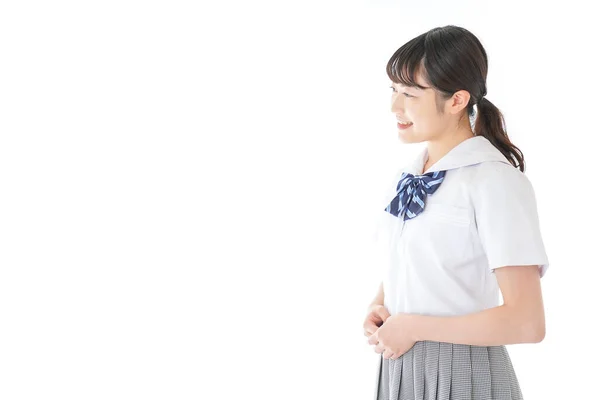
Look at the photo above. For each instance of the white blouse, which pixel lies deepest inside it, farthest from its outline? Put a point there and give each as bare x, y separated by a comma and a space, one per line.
483, 216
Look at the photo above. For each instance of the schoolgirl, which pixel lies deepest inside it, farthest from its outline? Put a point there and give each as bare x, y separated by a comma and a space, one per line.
459, 226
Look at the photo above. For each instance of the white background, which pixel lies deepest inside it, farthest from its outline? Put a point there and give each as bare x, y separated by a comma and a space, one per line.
188, 191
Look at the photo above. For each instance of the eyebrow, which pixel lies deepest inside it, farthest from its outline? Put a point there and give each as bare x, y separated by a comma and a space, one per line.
411, 87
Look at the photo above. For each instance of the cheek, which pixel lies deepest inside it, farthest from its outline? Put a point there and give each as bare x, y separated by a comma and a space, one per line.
415, 111
423, 116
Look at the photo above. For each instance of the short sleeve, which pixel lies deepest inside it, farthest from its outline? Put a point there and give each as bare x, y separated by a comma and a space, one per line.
507, 219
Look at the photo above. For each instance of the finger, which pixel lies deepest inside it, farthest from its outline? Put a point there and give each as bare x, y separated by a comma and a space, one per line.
387, 354
373, 339
383, 313
367, 334
370, 328
374, 318
379, 348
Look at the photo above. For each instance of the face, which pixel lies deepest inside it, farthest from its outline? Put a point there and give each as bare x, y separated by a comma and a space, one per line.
418, 106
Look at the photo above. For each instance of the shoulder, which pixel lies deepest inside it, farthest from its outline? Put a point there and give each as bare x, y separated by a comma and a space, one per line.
501, 183
499, 173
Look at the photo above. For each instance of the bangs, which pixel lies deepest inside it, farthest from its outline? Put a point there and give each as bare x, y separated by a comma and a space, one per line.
406, 62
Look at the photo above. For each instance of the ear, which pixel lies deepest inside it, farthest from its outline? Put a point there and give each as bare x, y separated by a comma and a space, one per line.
459, 101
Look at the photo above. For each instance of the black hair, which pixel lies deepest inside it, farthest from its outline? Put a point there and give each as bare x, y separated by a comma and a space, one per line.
450, 58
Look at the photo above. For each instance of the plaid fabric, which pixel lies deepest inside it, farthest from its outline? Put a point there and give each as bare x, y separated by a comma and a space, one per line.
411, 193
448, 371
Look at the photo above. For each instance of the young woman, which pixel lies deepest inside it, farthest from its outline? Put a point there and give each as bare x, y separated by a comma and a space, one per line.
459, 226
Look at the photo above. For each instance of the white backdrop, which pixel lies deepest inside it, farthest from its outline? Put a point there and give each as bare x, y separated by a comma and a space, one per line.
188, 191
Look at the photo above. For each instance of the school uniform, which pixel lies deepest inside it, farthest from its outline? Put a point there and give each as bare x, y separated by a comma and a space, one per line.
482, 215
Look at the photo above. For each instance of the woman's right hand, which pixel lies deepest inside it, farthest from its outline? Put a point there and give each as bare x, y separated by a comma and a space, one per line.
376, 316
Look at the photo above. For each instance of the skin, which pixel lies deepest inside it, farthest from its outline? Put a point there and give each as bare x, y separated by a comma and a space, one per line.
442, 131
521, 318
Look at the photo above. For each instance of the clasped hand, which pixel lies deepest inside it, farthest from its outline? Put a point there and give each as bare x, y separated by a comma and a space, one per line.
390, 334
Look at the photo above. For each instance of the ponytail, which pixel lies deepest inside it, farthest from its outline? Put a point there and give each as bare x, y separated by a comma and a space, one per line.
451, 58
490, 124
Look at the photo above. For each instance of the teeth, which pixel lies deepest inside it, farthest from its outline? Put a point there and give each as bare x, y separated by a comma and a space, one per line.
404, 123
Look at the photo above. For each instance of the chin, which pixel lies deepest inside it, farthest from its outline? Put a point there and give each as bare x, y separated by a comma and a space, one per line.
408, 138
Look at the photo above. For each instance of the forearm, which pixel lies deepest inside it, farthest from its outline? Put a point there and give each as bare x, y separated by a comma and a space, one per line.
491, 327
378, 300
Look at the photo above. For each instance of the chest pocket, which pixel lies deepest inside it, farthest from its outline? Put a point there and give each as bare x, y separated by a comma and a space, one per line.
449, 214
441, 234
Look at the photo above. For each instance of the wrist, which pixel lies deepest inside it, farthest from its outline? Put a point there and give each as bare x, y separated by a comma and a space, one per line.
413, 328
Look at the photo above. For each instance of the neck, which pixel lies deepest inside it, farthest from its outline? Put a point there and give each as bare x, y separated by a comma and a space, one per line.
438, 148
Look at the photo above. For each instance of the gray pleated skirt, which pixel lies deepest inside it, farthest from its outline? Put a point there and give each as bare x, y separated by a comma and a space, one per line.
448, 371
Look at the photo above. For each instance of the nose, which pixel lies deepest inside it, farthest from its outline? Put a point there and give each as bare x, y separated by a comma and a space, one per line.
397, 105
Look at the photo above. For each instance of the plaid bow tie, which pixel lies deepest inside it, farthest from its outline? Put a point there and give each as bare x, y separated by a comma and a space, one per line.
412, 191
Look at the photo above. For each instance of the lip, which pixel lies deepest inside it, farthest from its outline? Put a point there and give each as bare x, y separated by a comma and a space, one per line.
403, 126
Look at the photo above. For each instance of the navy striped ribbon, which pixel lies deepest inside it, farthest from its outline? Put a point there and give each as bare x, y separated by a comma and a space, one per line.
412, 191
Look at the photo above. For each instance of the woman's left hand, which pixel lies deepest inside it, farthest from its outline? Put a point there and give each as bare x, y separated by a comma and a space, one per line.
394, 337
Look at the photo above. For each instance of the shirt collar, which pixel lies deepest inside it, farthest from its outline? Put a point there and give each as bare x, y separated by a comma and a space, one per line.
471, 151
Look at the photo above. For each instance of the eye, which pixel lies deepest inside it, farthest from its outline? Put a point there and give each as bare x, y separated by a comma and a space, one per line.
405, 94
